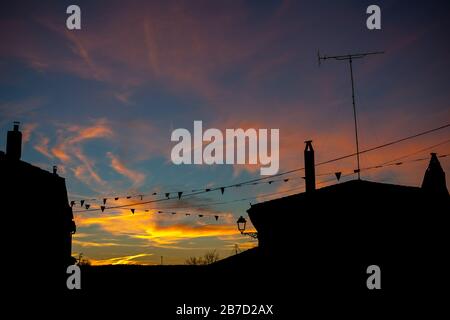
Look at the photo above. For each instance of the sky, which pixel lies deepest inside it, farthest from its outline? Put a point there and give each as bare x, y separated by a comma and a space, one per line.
101, 104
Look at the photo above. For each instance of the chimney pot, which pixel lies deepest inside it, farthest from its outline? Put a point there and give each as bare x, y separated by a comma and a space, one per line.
14, 143
310, 175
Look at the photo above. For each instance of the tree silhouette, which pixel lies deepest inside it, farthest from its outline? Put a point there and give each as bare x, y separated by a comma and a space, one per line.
208, 258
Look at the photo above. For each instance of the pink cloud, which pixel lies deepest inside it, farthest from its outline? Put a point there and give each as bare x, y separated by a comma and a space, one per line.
27, 131
42, 146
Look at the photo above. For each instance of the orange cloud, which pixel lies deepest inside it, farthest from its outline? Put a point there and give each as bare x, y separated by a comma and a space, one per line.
69, 148
137, 177
42, 146
99, 129
149, 226
174, 233
89, 166
131, 259
71, 136
82, 243
60, 154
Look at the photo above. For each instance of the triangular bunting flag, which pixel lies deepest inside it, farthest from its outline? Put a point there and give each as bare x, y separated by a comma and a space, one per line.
338, 175
179, 194
81, 203
222, 189
104, 201
72, 203
217, 217
102, 208
132, 211
87, 206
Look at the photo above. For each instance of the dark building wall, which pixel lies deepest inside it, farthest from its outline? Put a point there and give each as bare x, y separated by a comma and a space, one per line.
37, 222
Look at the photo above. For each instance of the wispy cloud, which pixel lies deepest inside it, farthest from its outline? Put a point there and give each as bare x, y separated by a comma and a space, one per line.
138, 178
71, 137
153, 227
121, 260
15, 110
28, 130
88, 165
68, 148
42, 146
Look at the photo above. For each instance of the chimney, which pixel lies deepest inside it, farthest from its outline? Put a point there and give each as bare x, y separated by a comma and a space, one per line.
434, 179
310, 174
14, 143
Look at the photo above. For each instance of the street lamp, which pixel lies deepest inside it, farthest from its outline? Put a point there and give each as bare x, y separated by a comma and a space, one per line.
241, 223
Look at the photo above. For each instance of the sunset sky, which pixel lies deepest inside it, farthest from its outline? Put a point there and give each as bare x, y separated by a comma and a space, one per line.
101, 104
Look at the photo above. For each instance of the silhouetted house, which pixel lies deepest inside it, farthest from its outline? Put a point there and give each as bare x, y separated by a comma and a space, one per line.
324, 239
350, 212
37, 221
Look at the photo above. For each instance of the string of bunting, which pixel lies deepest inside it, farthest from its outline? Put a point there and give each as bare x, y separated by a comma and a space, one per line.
337, 174
133, 210
179, 194
389, 164
253, 181
200, 215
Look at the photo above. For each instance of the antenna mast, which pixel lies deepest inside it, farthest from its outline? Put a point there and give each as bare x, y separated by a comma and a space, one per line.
350, 58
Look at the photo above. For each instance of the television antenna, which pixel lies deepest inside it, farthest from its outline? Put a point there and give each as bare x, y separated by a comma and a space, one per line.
349, 58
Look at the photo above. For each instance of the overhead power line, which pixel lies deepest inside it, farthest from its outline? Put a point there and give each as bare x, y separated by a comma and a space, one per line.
180, 194
418, 151
342, 175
